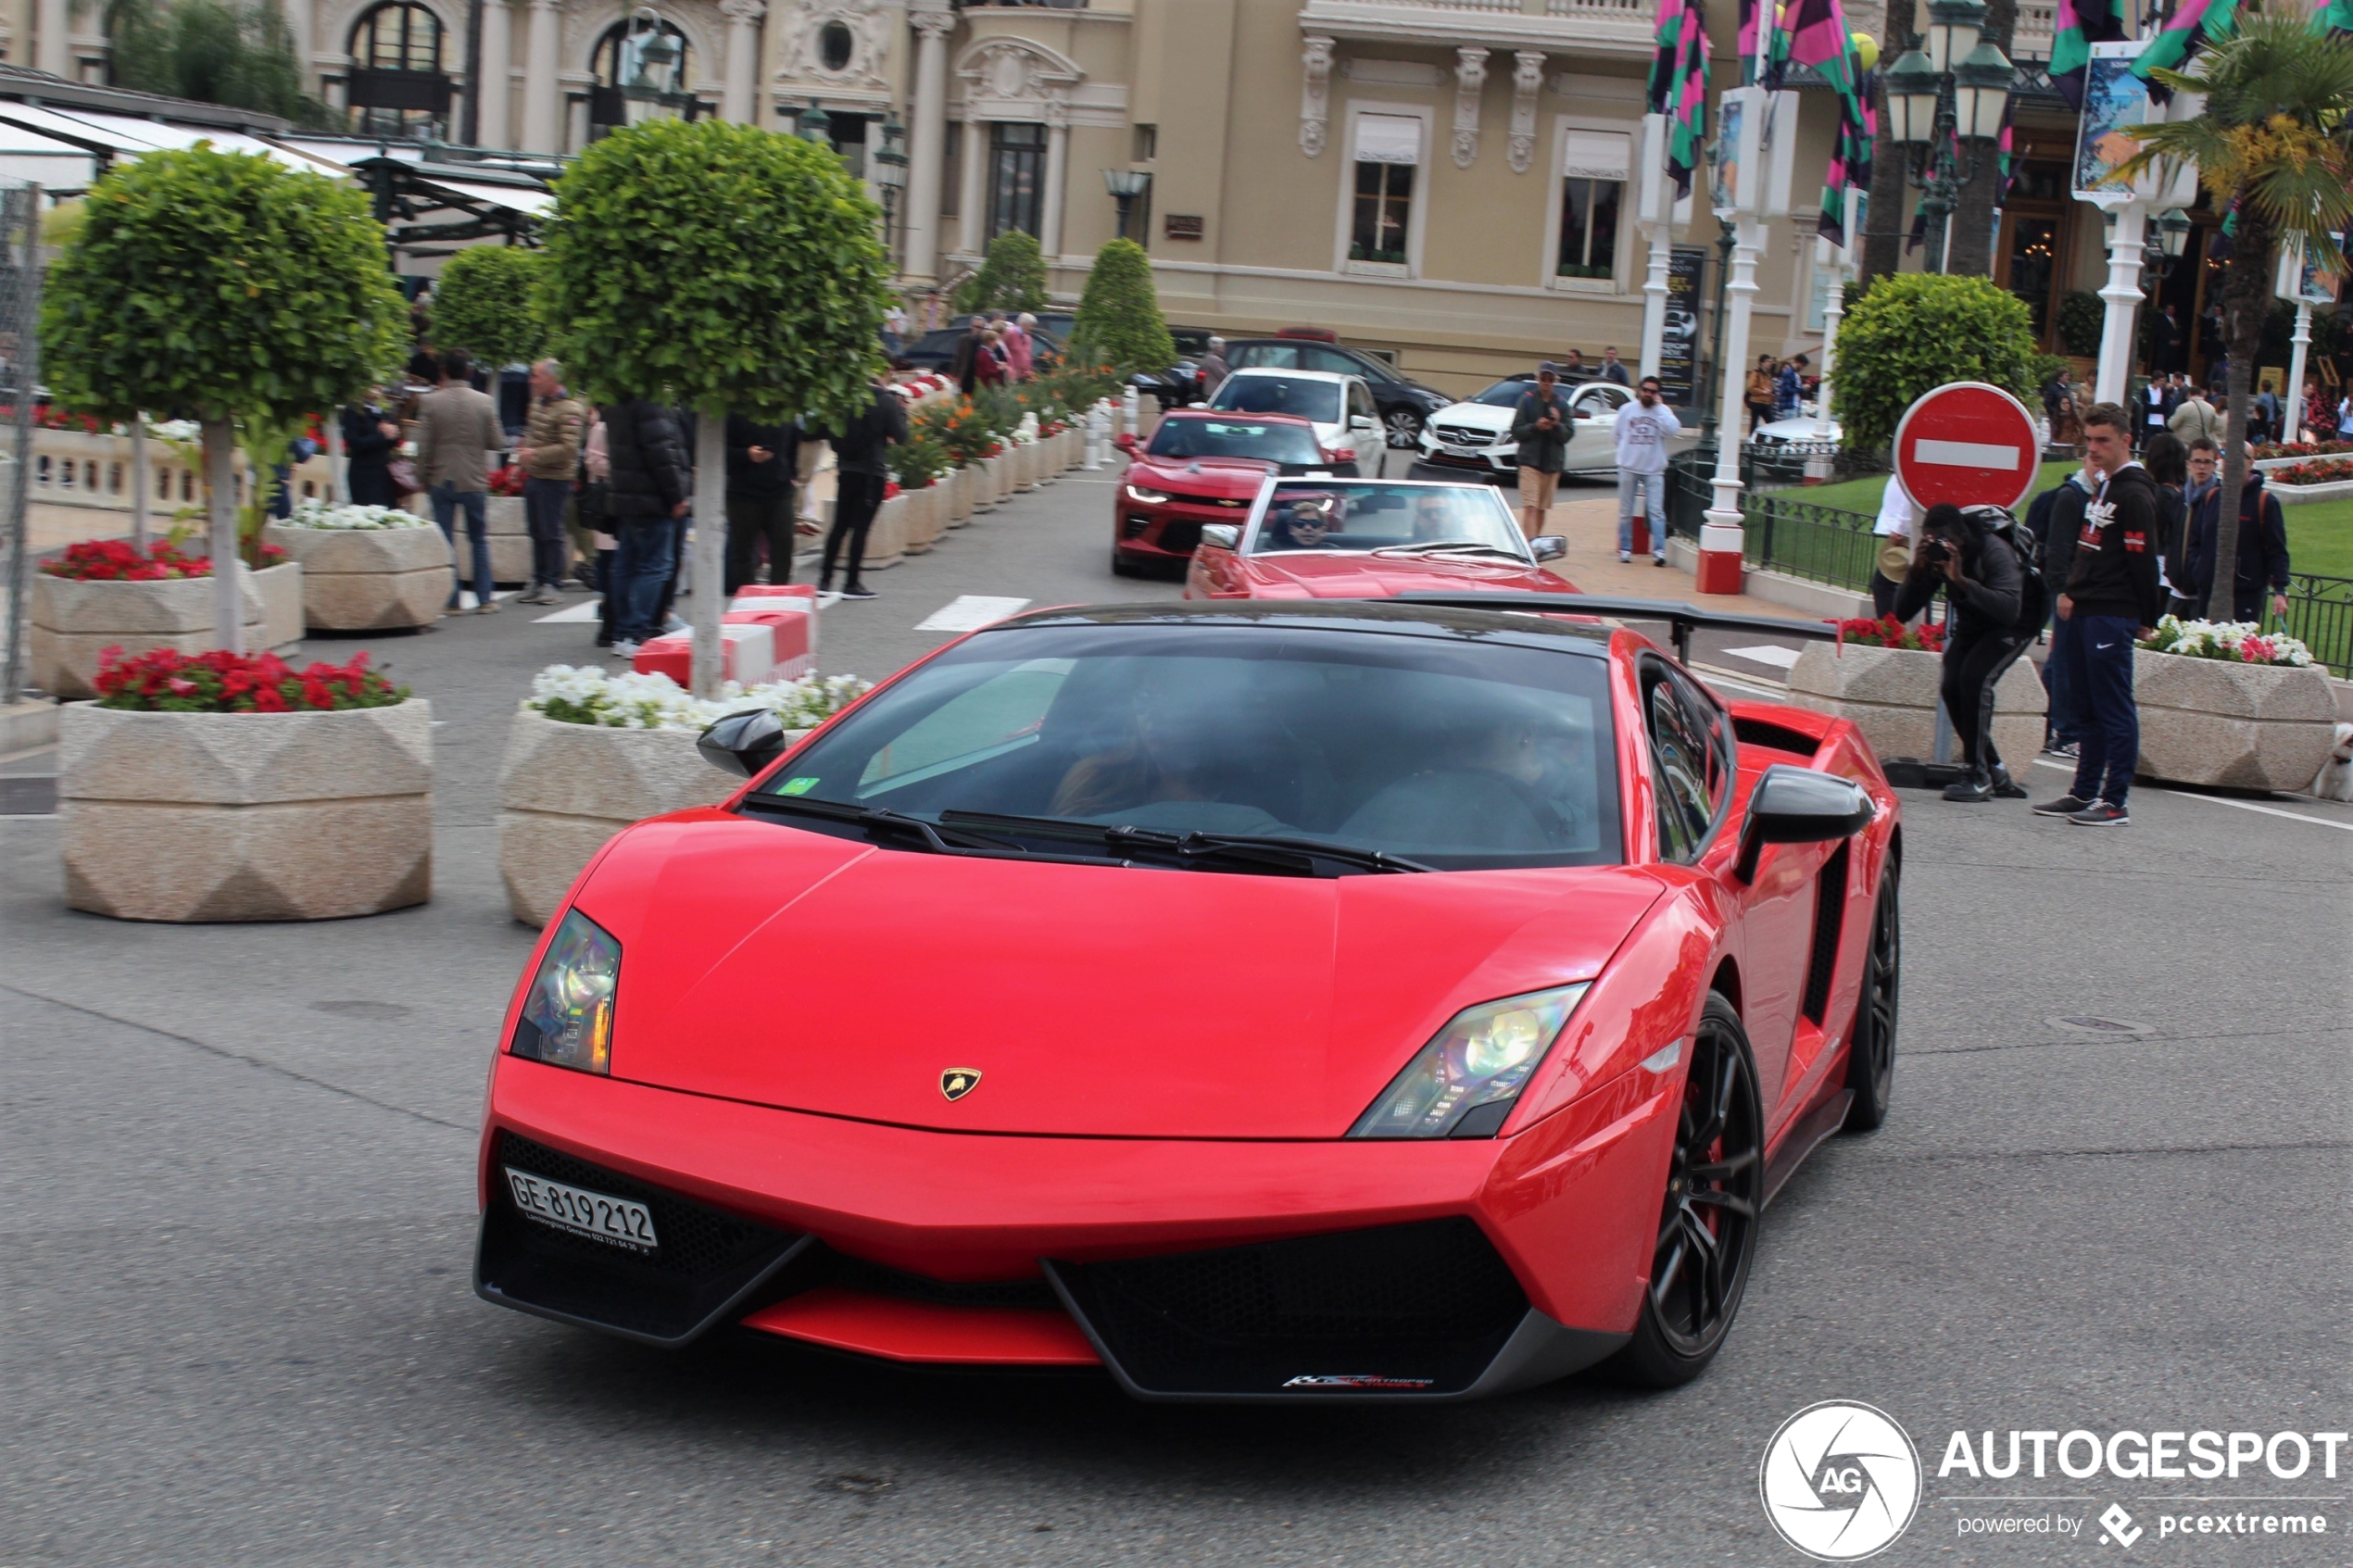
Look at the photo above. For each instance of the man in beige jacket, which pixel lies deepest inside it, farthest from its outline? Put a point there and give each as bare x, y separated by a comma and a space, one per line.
550, 460
456, 428
2196, 420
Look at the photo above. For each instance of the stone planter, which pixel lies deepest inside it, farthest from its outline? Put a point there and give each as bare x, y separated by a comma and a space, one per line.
565, 789
958, 500
886, 539
1889, 696
1029, 472
2236, 726
509, 531
923, 517
368, 579
73, 622
191, 817
281, 590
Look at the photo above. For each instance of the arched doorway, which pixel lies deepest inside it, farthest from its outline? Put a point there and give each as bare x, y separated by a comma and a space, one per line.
397, 86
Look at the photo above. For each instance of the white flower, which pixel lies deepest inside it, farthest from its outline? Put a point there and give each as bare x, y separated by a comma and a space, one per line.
631, 701
2238, 642
315, 513
174, 430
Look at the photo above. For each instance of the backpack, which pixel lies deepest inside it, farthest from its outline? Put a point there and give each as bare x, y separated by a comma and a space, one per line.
2033, 593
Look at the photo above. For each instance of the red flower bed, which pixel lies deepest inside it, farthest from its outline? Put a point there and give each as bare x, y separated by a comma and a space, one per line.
168, 682
119, 561
2302, 448
1890, 632
2326, 472
507, 480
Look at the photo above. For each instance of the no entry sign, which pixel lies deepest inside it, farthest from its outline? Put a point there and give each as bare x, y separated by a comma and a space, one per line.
1968, 444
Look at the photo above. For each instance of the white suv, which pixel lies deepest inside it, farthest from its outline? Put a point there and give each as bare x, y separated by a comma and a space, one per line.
1346, 424
1475, 437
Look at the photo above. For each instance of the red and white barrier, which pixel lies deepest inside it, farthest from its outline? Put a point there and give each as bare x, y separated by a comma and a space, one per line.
790, 610
747, 653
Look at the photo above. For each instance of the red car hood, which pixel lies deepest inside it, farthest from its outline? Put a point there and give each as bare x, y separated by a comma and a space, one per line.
779, 967
1362, 575
1237, 477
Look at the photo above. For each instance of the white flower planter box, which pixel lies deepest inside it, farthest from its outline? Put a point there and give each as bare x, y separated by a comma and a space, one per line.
1027, 472
197, 817
924, 507
989, 483
2237, 726
368, 579
281, 615
1889, 696
886, 540
509, 531
73, 622
961, 484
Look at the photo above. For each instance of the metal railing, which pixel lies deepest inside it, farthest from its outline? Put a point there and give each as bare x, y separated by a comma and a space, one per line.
2319, 611
1801, 539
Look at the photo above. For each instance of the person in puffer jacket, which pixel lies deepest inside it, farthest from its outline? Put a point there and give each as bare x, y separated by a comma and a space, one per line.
651, 486
1989, 624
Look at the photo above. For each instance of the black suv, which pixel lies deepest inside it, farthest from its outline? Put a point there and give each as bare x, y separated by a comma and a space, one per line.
1404, 404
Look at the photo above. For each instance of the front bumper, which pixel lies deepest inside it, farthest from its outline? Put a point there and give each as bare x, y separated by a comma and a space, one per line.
1190, 1269
1170, 529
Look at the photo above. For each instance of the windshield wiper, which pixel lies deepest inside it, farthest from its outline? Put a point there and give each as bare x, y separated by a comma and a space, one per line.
937, 838
1294, 857
1448, 546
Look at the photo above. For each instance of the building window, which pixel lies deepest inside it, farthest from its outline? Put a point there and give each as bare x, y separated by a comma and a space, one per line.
1593, 166
1146, 143
616, 65
1389, 148
397, 87
848, 136
1017, 177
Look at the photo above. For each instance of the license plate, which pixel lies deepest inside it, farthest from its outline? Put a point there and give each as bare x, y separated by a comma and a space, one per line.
1456, 451
616, 1220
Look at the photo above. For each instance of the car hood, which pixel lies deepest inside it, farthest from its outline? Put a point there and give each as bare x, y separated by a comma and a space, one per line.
768, 965
1227, 478
1475, 416
1352, 575
1804, 427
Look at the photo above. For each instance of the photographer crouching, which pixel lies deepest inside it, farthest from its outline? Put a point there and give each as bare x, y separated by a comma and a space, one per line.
1997, 608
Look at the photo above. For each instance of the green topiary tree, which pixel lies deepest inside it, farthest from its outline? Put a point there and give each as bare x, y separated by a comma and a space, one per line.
1012, 277
1914, 331
485, 303
225, 288
1119, 321
727, 268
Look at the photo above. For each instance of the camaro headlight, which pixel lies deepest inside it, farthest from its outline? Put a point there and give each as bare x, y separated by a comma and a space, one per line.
567, 1014
1463, 1083
1148, 497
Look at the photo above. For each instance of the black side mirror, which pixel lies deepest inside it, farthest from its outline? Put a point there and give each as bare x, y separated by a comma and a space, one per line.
1795, 805
743, 743
1548, 546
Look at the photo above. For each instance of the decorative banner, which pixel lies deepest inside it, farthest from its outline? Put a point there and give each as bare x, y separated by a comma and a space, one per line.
2191, 24
2077, 26
1679, 346
2114, 101
1682, 57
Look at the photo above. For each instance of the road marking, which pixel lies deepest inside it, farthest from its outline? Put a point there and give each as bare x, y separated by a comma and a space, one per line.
582, 613
1780, 657
2218, 800
1965, 454
970, 613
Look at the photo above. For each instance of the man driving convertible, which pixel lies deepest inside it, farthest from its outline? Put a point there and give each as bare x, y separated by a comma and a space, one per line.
1309, 524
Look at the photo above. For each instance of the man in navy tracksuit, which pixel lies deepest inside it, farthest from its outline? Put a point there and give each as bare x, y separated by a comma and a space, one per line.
2112, 597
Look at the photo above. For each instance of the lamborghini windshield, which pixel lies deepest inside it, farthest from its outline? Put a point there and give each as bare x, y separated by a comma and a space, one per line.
1390, 751
1346, 515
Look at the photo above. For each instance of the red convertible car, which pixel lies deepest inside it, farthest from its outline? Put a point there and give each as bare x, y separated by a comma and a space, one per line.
1201, 467
1256, 1001
1363, 539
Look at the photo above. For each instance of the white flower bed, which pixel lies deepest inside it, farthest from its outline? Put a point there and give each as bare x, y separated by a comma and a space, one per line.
2236, 642
629, 701
175, 430
316, 513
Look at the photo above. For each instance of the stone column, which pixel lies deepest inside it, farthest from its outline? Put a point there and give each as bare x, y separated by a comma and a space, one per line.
2122, 299
53, 29
1721, 540
740, 102
496, 87
927, 140
543, 93
973, 225
1049, 212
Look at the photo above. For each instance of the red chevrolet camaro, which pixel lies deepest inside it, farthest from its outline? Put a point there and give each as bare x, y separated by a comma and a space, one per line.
1308, 538
1201, 467
1258, 1001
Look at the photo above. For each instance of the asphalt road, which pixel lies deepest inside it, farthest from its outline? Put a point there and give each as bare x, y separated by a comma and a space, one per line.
237, 1211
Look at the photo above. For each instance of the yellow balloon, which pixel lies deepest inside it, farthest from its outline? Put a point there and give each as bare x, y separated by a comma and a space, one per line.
1866, 50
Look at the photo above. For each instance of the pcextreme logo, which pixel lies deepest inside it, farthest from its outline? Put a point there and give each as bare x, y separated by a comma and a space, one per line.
1841, 1481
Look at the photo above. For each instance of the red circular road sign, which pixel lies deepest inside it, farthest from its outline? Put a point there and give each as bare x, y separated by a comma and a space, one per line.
1968, 444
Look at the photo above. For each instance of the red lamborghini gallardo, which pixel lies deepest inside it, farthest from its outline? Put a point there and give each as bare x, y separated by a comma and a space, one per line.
1259, 1001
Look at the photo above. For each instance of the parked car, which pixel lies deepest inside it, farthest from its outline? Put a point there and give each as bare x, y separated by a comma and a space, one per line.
1371, 539
935, 350
1347, 421
1475, 437
1202, 466
1405, 404
1781, 448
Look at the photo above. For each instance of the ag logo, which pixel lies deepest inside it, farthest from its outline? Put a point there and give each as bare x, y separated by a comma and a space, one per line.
1841, 1481
958, 1082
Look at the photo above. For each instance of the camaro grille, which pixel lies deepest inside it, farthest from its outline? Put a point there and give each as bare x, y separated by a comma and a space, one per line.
1462, 436
705, 1261
1180, 534
1427, 1305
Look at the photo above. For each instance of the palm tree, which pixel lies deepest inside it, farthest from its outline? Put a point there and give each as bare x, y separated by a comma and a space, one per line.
2274, 147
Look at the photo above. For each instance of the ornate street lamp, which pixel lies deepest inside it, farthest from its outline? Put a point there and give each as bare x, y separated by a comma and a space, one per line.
649, 88
815, 125
1125, 185
1945, 107
890, 173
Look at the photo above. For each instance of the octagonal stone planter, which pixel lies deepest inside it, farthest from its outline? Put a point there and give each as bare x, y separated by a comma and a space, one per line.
886, 540
281, 615
368, 579
923, 515
73, 622
959, 499
1889, 696
201, 816
2233, 726
509, 529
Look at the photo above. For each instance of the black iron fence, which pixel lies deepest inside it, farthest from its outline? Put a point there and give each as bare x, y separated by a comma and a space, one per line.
2319, 611
1800, 539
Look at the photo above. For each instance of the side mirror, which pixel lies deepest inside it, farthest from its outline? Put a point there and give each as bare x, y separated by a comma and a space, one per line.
1548, 546
1360, 421
1125, 442
744, 742
1793, 804
1221, 535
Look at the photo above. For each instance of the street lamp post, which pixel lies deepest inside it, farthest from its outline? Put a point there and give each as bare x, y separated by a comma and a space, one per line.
890, 174
1945, 107
1125, 185
649, 90
815, 125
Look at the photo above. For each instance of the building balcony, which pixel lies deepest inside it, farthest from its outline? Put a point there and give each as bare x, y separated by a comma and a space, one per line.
1605, 27
2031, 37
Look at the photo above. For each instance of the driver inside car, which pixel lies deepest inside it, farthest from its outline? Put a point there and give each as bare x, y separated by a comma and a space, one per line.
1310, 523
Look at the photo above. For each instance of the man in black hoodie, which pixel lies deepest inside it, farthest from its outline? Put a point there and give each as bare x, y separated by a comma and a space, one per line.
861, 465
2111, 599
649, 492
1990, 624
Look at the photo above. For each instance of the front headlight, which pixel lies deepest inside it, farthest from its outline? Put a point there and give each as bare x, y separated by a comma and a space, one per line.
1148, 497
1463, 1083
567, 1014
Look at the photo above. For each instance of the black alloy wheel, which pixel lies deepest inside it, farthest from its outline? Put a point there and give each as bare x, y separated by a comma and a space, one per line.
1870, 1055
1707, 1225
1404, 428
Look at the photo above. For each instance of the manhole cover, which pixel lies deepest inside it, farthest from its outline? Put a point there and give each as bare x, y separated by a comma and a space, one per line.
2113, 1026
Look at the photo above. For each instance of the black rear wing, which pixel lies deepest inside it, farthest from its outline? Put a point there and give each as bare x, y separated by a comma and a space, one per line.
1684, 619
